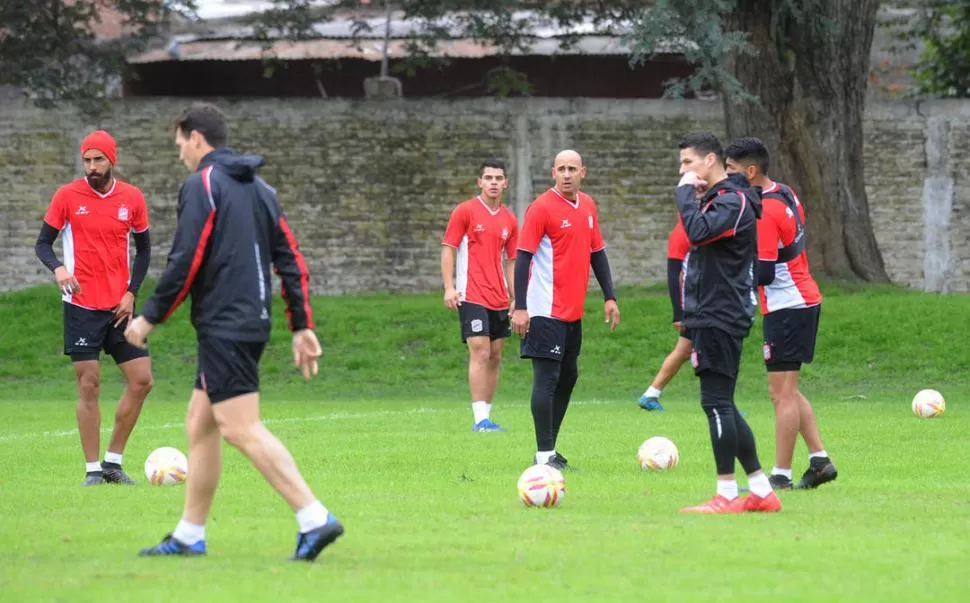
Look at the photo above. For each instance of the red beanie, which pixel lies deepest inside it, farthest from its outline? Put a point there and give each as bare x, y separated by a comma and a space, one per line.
99, 140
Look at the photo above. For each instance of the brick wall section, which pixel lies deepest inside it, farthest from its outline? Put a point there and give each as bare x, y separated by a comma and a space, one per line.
368, 186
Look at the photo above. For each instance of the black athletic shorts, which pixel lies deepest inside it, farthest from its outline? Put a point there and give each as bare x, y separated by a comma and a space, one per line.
479, 321
716, 351
228, 368
552, 339
790, 337
87, 332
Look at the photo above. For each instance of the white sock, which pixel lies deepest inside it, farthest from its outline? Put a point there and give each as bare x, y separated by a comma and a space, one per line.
821, 454
543, 456
653, 392
112, 457
188, 533
482, 409
780, 471
759, 485
312, 516
728, 488
91, 467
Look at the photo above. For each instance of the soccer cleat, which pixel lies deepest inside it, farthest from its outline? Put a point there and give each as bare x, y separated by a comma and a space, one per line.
310, 544
717, 505
170, 546
113, 474
820, 471
650, 403
559, 462
94, 478
780, 482
753, 503
487, 425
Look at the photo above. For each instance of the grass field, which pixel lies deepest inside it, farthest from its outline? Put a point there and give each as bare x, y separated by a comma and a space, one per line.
430, 508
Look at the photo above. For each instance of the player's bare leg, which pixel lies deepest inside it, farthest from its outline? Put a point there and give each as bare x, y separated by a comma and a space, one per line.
482, 381
205, 459
88, 377
783, 387
650, 400
807, 424
138, 382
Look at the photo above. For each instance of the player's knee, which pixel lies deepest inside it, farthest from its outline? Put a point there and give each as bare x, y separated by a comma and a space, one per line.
142, 383
480, 355
236, 435
89, 386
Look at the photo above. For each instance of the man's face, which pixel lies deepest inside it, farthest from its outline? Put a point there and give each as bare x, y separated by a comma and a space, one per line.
97, 169
568, 173
692, 161
750, 170
493, 182
188, 147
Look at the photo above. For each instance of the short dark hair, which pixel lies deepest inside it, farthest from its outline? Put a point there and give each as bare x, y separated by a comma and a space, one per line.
749, 150
207, 120
703, 143
498, 164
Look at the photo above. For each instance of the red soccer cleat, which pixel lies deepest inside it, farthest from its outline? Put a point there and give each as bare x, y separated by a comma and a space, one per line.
767, 504
718, 504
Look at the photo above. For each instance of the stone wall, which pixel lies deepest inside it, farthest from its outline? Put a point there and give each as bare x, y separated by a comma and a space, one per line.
368, 186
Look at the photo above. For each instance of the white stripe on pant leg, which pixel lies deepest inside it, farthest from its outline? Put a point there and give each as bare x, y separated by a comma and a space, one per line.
717, 421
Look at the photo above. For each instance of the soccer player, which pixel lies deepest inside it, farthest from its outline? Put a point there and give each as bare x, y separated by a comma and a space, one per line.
478, 232
678, 246
230, 229
791, 303
559, 241
95, 215
720, 218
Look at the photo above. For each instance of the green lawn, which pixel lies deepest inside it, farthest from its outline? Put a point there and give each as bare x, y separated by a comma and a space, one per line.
430, 508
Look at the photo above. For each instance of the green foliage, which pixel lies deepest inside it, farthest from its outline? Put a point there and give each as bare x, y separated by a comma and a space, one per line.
49, 49
943, 28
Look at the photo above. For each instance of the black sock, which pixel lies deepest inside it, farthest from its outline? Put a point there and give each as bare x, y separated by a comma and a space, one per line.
568, 374
545, 375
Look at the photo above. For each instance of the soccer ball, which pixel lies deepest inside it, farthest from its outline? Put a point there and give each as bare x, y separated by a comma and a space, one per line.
541, 486
928, 403
658, 454
166, 466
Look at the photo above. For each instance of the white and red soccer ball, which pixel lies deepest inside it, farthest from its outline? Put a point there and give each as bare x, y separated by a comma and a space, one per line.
658, 454
928, 403
166, 466
541, 486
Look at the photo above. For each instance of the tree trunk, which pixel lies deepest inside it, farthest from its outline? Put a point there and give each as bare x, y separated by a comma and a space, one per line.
810, 76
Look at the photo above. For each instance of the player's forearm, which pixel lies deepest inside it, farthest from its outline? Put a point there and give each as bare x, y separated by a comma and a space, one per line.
510, 277
717, 221
673, 287
601, 270
448, 266
143, 259
44, 247
523, 261
766, 272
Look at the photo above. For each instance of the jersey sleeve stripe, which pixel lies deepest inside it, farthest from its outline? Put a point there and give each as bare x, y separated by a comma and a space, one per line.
304, 271
196, 263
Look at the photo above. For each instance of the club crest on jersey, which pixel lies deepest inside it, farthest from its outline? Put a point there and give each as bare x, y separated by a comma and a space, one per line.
479, 228
505, 234
123, 213
590, 221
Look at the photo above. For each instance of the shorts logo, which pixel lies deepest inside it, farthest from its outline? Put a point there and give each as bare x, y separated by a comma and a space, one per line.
123, 214
693, 359
767, 351
81, 341
477, 325
556, 350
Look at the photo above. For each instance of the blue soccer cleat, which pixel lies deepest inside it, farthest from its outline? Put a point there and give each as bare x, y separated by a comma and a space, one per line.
650, 403
170, 546
310, 544
487, 425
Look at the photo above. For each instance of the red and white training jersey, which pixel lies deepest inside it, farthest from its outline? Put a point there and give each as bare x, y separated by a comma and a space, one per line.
678, 245
793, 286
94, 230
481, 234
561, 234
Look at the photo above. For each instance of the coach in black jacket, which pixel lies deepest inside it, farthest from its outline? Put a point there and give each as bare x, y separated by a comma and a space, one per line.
720, 217
230, 230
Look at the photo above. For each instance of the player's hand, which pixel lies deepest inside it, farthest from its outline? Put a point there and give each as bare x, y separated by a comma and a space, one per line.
694, 180
678, 326
306, 351
138, 331
612, 312
452, 298
125, 309
66, 281
520, 322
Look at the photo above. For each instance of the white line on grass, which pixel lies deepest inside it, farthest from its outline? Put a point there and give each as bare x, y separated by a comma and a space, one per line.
337, 416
